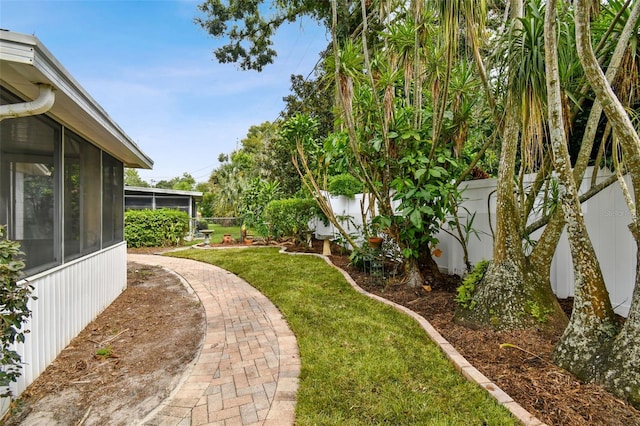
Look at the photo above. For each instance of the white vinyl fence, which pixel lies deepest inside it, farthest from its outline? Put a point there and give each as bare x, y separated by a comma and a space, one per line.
606, 216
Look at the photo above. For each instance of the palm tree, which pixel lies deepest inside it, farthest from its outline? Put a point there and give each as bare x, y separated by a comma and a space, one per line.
510, 285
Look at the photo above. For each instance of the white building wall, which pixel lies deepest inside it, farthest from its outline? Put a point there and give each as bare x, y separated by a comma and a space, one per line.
69, 297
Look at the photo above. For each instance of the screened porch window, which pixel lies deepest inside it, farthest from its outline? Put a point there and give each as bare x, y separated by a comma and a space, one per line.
29, 189
112, 200
81, 197
60, 196
175, 203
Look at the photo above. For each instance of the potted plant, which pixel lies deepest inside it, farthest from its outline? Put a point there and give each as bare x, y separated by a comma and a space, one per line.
375, 242
374, 233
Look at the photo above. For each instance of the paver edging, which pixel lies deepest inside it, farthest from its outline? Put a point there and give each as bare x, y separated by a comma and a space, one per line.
460, 363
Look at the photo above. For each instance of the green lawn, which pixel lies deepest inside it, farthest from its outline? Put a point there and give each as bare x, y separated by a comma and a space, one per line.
218, 233
363, 362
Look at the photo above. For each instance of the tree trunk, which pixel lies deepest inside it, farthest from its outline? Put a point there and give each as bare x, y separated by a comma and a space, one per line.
509, 293
621, 372
543, 252
412, 276
427, 263
592, 322
501, 294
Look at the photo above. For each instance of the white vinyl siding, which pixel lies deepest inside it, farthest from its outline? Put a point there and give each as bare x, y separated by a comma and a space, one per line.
70, 296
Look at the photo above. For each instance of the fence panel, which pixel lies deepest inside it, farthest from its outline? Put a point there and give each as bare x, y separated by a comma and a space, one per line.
606, 216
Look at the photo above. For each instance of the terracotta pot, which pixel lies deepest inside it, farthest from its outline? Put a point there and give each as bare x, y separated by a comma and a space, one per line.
375, 242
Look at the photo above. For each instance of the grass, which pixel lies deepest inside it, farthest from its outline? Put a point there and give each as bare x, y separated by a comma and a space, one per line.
219, 231
363, 362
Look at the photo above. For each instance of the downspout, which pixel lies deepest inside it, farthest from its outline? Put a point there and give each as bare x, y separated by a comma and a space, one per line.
42, 104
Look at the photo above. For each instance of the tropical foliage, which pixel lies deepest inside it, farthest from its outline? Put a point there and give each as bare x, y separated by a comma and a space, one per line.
428, 94
290, 218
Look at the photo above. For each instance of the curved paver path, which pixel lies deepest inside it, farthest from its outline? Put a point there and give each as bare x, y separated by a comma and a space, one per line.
247, 371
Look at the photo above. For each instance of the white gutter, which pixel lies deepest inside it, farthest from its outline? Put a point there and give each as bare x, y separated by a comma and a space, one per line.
42, 104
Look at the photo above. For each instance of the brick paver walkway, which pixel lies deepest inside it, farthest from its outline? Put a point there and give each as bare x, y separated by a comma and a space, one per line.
248, 368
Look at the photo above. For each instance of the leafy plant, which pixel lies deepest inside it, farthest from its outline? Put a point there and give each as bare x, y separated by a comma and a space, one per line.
254, 200
540, 313
361, 255
105, 352
14, 311
345, 184
155, 228
291, 217
424, 188
465, 291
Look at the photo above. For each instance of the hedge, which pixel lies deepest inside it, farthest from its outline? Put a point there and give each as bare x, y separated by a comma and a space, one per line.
155, 228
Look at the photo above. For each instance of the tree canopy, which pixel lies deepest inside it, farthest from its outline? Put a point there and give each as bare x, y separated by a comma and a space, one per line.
413, 97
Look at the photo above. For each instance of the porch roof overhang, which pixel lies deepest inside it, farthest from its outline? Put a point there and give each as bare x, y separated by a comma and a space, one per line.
140, 190
25, 63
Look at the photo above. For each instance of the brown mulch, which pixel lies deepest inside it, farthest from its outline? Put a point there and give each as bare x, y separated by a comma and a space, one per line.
154, 329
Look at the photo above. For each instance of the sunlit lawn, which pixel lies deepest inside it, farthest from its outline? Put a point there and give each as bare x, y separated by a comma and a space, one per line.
218, 233
363, 362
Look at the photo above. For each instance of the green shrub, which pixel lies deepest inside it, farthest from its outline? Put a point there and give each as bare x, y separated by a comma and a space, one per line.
290, 217
14, 311
254, 200
464, 295
345, 184
155, 228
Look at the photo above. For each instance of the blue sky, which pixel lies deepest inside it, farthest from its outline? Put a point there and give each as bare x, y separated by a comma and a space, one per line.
153, 70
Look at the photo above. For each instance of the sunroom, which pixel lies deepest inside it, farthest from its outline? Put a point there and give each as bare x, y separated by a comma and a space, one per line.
61, 195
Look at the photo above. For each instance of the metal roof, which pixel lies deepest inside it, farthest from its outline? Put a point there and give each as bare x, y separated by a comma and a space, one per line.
25, 62
141, 190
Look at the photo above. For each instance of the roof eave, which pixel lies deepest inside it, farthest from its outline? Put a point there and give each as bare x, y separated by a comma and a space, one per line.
25, 62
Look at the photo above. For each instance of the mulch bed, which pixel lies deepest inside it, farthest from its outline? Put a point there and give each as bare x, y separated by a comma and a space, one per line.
523, 370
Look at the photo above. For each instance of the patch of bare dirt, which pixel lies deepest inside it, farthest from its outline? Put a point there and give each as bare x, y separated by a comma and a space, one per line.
123, 364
